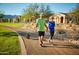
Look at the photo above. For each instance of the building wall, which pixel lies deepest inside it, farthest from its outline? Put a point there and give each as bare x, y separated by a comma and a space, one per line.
58, 18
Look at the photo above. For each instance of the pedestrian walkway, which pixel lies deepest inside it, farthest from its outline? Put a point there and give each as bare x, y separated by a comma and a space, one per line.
33, 47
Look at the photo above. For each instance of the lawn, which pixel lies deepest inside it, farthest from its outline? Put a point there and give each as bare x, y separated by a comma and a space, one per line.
9, 43
18, 25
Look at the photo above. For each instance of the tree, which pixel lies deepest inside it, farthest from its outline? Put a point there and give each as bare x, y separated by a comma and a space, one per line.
46, 10
75, 14
1, 14
33, 11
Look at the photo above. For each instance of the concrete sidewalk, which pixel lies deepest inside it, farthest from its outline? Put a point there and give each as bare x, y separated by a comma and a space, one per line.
33, 48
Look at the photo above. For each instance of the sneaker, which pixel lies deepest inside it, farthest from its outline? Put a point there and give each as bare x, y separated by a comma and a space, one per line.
41, 45
50, 41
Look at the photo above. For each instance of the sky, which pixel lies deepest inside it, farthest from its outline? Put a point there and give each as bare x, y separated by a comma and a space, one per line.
17, 8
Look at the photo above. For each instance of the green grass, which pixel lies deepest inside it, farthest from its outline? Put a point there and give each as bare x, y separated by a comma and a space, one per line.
9, 43
18, 25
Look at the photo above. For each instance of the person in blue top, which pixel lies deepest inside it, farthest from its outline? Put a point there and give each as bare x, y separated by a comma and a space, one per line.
51, 26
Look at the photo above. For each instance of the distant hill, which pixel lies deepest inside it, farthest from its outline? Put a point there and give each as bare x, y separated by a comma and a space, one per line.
10, 16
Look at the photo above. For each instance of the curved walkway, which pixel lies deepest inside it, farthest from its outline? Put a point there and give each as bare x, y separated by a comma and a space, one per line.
33, 48
22, 44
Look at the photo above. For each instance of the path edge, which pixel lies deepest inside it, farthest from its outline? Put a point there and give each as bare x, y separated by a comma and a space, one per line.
22, 45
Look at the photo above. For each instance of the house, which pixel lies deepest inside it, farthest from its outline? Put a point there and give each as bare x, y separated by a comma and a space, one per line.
60, 18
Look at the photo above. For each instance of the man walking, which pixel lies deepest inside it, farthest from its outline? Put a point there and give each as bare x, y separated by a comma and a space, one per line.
40, 24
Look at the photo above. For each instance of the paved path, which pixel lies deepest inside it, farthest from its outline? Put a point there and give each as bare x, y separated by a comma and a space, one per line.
33, 48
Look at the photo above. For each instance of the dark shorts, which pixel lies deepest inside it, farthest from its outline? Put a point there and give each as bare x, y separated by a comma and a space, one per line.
41, 33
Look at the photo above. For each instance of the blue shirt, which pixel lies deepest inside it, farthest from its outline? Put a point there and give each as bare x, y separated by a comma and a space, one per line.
51, 26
